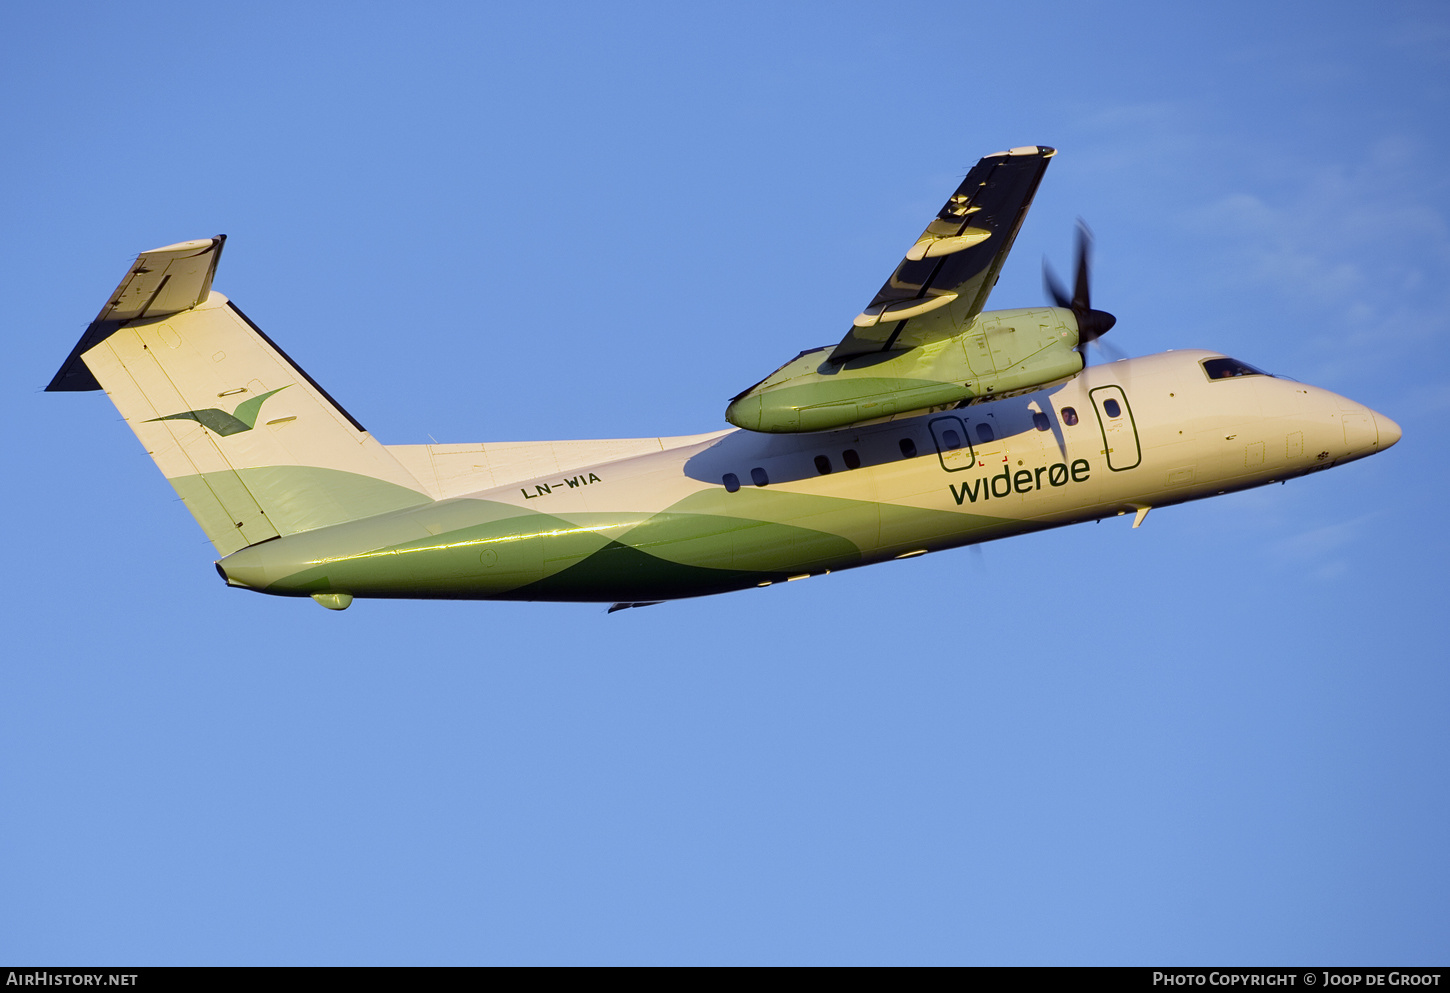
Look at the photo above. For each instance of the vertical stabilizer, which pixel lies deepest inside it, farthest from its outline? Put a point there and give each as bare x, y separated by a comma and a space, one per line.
254, 447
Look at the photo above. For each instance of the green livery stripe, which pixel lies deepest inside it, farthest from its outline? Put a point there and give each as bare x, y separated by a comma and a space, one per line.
288, 498
707, 542
628, 573
517, 551
224, 508
302, 497
506, 550
865, 524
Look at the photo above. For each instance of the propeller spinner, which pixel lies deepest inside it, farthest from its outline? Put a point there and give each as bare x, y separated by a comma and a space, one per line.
1091, 324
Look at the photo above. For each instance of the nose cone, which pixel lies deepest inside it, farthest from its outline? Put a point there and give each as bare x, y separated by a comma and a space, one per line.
745, 412
1389, 431
1093, 324
1366, 431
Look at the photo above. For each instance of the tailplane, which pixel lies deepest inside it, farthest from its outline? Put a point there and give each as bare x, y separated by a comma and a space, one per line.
253, 446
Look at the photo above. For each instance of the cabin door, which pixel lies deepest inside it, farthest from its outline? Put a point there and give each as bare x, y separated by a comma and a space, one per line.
953, 446
1120, 434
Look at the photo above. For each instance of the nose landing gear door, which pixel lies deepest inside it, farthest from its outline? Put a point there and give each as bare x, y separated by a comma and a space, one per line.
1120, 434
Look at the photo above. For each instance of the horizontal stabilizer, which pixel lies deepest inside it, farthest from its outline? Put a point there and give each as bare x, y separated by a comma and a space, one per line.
162, 281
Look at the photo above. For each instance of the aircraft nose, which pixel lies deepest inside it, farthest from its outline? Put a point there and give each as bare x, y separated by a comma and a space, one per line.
1389, 431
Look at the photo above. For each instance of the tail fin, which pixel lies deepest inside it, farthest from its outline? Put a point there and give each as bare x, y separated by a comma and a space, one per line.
254, 447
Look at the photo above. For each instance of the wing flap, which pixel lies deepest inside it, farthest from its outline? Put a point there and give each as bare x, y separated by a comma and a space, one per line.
903, 310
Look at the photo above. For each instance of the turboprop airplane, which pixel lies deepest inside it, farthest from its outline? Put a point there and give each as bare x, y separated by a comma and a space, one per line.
931, 424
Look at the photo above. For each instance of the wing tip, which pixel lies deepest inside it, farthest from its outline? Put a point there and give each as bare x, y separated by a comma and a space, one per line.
1046, 151
195, 245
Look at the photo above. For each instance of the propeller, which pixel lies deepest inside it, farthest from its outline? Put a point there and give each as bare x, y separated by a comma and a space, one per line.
1091, 324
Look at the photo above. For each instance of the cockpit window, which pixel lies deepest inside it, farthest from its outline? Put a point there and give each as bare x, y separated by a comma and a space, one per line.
1229, 368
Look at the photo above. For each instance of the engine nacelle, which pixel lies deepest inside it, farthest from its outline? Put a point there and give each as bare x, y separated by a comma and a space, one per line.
1000, 353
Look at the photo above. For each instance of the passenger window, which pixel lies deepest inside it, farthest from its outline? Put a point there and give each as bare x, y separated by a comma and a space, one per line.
1112, 409
1069, 416
1039, 421
908, 448
731, 481
758, 476
985, 432
852, 460
823, 465
950, 440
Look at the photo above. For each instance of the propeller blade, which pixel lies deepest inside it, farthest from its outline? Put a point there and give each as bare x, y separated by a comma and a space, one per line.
1091, 324
1082, 289
1054, 289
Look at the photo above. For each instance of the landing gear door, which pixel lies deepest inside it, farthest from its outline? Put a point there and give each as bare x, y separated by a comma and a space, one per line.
952, 445
1120, 433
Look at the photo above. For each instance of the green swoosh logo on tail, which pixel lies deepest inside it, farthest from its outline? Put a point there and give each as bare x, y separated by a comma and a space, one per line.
244, 418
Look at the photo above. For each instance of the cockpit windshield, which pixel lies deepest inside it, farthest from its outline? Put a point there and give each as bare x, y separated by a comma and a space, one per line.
1226, 368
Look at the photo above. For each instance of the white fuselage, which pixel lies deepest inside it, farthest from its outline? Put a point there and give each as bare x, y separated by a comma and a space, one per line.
1179, 436
742, 508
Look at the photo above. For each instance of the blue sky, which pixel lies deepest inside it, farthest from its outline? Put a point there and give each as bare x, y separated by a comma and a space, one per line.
1218, 738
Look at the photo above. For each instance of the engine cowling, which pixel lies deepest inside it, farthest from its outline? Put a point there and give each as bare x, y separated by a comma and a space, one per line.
1001, 353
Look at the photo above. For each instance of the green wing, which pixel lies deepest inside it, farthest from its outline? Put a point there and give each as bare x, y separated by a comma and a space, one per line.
922, 341
943, 282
